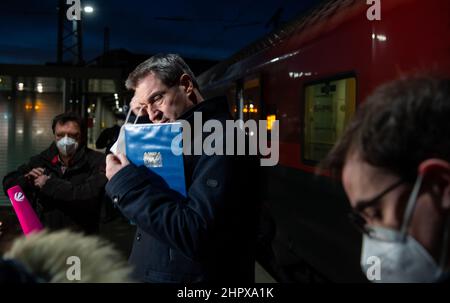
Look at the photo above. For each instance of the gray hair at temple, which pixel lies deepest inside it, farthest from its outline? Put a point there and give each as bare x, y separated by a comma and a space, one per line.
168, 67
45, 256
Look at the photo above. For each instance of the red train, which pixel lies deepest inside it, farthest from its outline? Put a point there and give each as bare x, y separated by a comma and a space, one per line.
311, 75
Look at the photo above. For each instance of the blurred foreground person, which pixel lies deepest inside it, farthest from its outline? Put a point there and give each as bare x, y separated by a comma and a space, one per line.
394, 161
53, 257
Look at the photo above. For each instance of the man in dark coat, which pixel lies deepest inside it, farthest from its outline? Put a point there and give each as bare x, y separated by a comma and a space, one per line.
109, 135
209, 236
64, 183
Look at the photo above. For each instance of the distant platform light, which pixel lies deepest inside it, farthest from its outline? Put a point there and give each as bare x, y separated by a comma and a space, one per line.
270, 120
40, 88
381, 38
20, 86
88, 9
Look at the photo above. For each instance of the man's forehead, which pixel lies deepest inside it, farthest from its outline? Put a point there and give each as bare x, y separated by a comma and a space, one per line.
362, 180
150, 82
69, 126
147, 86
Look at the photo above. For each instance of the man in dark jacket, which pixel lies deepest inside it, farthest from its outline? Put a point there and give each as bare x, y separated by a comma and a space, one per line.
209, 236
109, 135
65, 183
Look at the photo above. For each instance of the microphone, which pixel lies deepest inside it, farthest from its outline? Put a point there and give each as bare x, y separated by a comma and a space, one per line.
28, 219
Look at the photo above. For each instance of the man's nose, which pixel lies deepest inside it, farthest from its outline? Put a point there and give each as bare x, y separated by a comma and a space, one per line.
154, 115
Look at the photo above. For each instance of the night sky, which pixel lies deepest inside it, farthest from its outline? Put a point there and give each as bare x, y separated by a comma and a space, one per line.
195, 29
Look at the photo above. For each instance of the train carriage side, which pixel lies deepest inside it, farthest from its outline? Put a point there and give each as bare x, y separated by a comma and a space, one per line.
312, 82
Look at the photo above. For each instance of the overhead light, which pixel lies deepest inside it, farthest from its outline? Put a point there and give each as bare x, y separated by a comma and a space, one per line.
88, 9
381, 38
20, 86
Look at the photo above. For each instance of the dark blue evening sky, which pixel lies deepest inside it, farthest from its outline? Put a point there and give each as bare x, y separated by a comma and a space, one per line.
199, 29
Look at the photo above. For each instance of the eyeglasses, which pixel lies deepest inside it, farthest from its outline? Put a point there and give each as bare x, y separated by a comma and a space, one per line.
359, 222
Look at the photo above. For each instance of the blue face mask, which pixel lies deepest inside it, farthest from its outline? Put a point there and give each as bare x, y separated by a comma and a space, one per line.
403, 259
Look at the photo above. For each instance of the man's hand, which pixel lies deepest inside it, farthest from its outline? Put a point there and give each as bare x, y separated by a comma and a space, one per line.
41, 180
114, 164
34, 173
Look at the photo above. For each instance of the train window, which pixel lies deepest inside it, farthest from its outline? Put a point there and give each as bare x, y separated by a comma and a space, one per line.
328, 107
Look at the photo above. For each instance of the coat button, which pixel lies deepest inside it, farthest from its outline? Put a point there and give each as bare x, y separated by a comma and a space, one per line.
212, 183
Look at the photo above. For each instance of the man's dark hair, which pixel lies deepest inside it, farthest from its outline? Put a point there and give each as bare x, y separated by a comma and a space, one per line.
120, 116
66, 117
400, 125
168, 67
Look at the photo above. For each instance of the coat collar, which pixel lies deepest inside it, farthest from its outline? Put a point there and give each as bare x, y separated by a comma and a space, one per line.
209, 109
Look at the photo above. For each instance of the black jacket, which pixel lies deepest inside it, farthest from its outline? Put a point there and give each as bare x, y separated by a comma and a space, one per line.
107, 138
69, 200
208, 236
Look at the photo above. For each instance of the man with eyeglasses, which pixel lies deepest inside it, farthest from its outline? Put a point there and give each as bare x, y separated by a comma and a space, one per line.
394, 162
210, 235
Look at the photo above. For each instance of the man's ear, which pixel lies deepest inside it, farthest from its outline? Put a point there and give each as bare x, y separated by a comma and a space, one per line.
438, 172
186, 83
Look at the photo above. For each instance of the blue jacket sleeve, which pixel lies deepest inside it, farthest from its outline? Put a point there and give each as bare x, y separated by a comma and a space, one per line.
182, 223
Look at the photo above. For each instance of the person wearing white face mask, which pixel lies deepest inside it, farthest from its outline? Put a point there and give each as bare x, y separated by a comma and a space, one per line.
65, 183
394, 161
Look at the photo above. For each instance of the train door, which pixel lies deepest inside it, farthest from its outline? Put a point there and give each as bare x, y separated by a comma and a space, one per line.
244, 99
